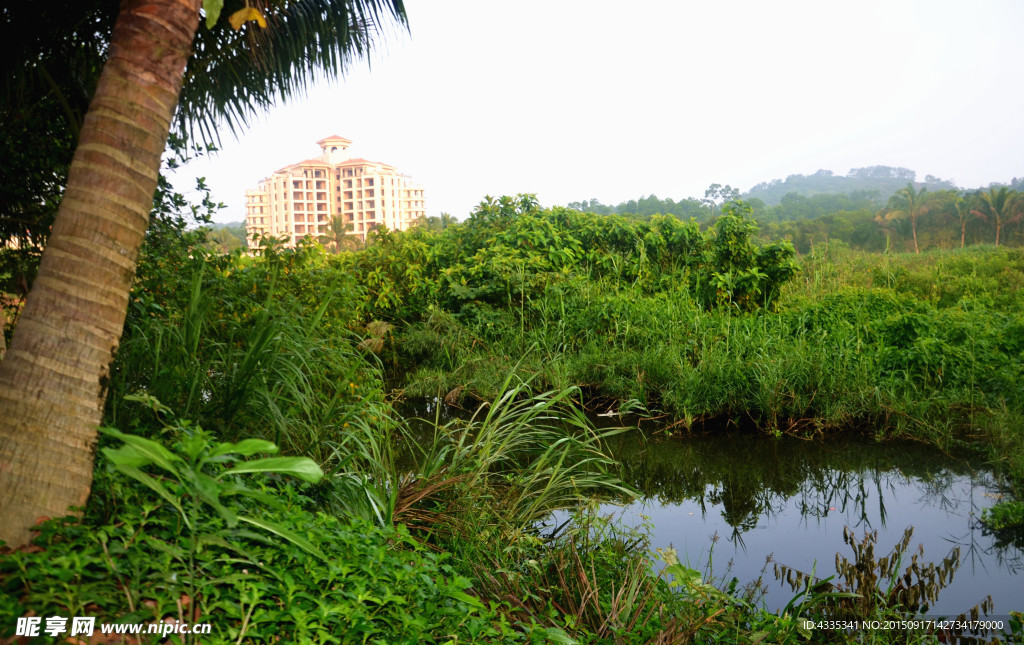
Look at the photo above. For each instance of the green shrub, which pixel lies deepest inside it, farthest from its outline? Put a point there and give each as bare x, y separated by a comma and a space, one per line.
1004, 515
199, 544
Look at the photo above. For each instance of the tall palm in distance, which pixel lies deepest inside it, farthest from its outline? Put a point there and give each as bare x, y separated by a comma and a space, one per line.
436, 224
908, 203
962, 209
1000, 205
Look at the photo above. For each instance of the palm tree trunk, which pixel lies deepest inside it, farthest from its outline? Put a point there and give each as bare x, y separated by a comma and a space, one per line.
963, 233
54, 377
913, 229
998, 226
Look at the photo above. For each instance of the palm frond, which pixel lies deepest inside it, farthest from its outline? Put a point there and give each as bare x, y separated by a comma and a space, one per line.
235, 75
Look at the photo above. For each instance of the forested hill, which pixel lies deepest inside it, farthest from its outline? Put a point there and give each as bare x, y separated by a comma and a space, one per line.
862, 209
877, 181
868, 187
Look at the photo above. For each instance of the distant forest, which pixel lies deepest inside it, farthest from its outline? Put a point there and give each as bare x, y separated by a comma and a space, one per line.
871, 208
226, 237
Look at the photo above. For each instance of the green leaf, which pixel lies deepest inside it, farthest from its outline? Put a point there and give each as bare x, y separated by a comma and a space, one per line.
209, 490
149, 400
294, 538
151, 450
556, 635
125, 456
302, 467
270, 501
212, 9
684, 575
170, 549
154, 485
466, 598
204, 539
245, 447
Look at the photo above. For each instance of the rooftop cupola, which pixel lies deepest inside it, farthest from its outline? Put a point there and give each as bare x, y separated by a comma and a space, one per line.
335, 149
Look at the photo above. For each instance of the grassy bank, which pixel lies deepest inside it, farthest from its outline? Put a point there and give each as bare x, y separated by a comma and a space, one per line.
927, 346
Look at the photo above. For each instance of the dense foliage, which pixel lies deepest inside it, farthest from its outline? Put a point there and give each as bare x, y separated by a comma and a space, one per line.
510, 250
645, 310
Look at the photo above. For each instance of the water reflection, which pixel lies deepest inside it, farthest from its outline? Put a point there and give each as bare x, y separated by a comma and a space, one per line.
789, 500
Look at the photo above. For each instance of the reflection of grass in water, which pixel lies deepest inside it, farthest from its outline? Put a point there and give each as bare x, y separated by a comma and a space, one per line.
751, 477
754, 477
875, 586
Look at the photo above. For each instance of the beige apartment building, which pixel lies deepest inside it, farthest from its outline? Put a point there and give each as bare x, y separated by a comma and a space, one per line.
301, 199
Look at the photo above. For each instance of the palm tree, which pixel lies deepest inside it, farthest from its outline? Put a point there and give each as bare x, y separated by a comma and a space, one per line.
436, 224
1002, 205
962, 208
339, 236
908, 203
53, 377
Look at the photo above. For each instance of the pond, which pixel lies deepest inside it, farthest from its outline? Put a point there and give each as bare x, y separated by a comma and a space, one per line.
737, 501
732, 505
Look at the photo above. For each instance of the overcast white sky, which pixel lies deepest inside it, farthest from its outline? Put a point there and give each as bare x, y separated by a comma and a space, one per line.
579, 99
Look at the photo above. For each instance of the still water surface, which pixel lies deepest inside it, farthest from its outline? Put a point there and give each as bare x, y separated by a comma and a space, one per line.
789, 499
737, 500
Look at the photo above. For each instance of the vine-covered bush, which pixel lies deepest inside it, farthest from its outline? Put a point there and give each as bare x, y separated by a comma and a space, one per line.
510, 250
